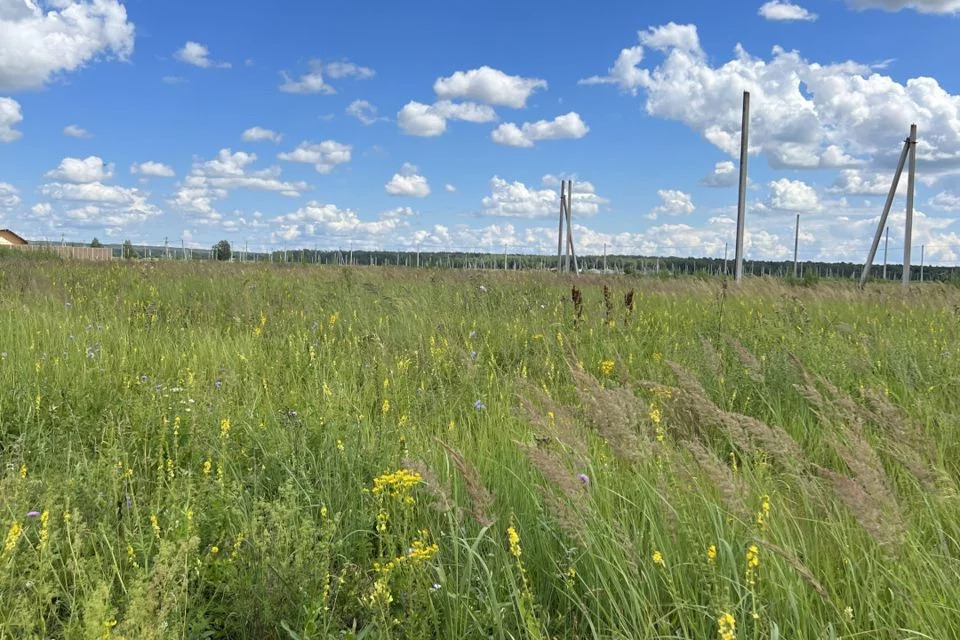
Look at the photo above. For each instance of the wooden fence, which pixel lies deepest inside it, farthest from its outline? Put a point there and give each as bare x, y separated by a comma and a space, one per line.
70, 253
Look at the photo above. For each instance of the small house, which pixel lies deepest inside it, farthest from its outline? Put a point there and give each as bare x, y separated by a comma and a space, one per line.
8, 237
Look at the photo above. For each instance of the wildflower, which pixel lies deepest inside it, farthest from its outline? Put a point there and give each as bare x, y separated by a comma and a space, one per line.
340, 446
13, 535
144, 379
473, 334
155, 525
654, 414
224, 428
584, 478
23, 471
381, 594
207, 465
657, 356
385, 407
214, 550
727, 627
514, 540
479, 405
435, 586
606, 367
753, 564
848, 612
397, 484
473, 355
657, 559
711, 553
33, 514
217, 384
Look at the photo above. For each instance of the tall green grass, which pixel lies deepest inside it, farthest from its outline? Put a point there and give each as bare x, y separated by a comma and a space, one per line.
236, 451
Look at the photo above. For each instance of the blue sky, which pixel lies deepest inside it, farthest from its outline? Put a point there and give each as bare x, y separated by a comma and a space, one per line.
441, 125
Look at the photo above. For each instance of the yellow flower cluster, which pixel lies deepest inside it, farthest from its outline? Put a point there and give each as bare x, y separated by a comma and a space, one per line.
397, 484
420, 551
514, 540
224, 428
764, 512
606, 367
753, 563
727, 627
712, 553
657, 559
13, 535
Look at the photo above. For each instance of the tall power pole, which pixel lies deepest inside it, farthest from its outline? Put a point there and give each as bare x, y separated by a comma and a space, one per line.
796, 245
911, 183
742, 198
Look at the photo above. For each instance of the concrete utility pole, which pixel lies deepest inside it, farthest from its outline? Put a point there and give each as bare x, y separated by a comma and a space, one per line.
742, 198
921, 262
886, 243
886, 211
563, 185
911, 183
796, 245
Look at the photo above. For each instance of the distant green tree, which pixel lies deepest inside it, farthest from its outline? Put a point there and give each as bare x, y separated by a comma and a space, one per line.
95, 243
221, 250
128, 251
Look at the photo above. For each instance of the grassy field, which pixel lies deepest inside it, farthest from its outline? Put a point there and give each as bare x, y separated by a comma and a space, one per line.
233, 451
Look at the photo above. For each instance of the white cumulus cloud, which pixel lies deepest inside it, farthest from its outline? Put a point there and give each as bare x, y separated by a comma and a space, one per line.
199, 56
257, 134
793, 195
408, 182
89, 169
74, 131
324, 156
803, 114
724, 174
517, 200
568, 126
10, 116
38, 42
418, 119
364, 111
488, 85
314, 82
154, 169
672, 203
784, 10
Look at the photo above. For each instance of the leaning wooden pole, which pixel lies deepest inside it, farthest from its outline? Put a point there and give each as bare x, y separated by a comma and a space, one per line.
560, 230
742, 198
911, 184
883, 216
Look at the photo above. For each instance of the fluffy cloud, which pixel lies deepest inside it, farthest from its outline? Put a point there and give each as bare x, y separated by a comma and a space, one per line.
922, 6
488, 85
74, 131
313, 81
64, 36
314, 219
803, 114
672, 203
449, 188
724, 174
566, 126
945, 201
199, 56
517, 200
90, 169
363, 111
418, 119
860, 182
213, 180
9, 117
9, 196
784, 10
154, 169
324, 156
793, 195
257, 134
408, 183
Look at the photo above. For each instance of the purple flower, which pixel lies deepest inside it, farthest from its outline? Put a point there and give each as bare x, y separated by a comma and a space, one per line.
33, 514
584, 478
144, 378
479, 406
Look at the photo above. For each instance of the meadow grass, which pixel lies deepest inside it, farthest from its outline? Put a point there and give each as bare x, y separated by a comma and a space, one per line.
255, 451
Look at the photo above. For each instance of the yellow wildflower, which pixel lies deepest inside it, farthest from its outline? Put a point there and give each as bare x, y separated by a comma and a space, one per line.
606, 367
13, 535
514, 540
657, 559
727, 627
711, 553
224, 428
207, 465
23, 471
